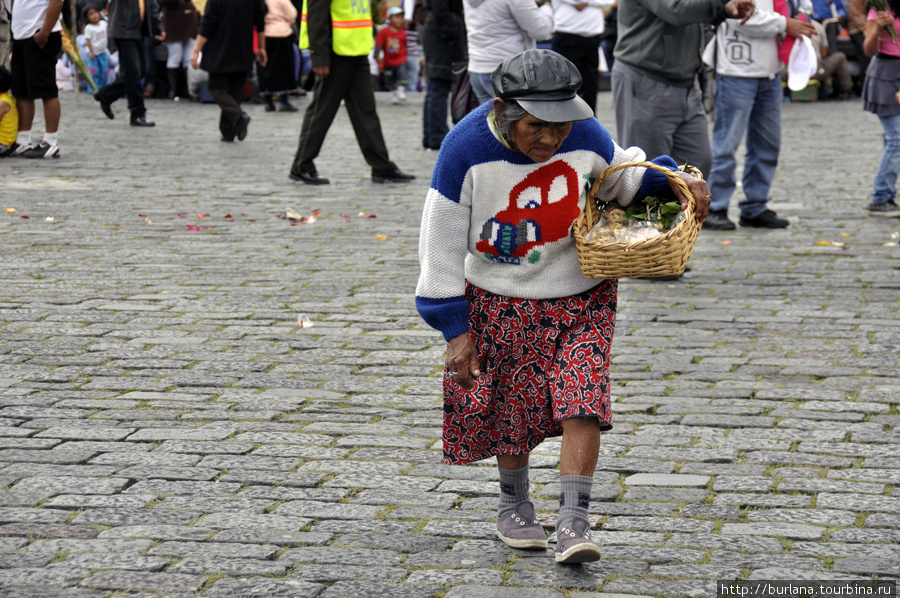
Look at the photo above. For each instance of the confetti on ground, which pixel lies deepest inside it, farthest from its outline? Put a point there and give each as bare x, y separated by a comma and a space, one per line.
303, 321
10, 210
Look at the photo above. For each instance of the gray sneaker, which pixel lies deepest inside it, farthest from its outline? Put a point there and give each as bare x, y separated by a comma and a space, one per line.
520, 528
574, 544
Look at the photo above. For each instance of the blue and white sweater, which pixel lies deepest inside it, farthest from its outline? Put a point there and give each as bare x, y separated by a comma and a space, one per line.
503, 222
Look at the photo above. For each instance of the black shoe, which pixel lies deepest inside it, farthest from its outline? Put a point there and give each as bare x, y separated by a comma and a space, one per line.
888, 209
285, 106
395, 176
669, 277
310, 178
767, 219
270, 105
142, 121
105, 106
718, 220
240, 131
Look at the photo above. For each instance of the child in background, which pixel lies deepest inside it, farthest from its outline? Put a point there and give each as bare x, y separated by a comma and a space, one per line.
881, 96
390, 49
415, 58
96, 39
9, 115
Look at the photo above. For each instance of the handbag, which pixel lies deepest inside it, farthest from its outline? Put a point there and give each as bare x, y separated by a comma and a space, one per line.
462, 96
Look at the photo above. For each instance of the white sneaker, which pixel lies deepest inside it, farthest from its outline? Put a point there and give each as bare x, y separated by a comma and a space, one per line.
17, 150
395, 99
401, 93
44, 150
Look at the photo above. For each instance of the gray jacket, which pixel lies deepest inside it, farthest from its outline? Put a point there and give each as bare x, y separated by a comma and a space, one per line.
663, 39
125, 19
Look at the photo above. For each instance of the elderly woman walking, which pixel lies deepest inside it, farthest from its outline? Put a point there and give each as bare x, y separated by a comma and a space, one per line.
528, 334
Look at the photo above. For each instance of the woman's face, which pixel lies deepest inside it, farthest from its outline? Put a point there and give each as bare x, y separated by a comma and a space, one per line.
538, 139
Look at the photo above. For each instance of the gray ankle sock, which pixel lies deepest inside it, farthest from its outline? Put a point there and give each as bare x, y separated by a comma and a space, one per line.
574, 499
513, 489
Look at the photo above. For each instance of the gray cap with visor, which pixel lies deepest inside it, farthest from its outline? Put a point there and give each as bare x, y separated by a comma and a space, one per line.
544, 83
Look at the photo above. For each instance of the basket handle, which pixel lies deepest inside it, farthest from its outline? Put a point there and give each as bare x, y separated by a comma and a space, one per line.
670, 174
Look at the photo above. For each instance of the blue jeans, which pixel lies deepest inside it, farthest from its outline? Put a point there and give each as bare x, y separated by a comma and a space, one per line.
886, 178
434, 114
482, 86
750, 107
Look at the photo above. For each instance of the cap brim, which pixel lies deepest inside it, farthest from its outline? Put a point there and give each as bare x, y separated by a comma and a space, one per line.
558, 111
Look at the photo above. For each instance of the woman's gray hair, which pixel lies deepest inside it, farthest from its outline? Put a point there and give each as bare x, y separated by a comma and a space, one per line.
506, 119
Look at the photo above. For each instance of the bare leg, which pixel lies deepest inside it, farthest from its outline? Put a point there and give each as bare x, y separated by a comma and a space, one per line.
514, 461
52, 113
580, 446
26, 114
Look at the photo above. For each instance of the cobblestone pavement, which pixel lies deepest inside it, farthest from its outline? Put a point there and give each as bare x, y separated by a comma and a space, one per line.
169, 429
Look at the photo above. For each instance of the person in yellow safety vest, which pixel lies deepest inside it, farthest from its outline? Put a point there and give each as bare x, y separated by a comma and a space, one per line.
339, 36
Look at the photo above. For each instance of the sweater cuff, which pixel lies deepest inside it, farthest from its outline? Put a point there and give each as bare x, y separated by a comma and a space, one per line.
450, 316
655, 182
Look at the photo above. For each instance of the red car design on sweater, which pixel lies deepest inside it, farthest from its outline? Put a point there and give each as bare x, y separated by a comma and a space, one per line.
542, 208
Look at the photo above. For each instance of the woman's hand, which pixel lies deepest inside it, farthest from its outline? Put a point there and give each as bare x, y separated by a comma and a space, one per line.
698, 189
883, 19
462, 360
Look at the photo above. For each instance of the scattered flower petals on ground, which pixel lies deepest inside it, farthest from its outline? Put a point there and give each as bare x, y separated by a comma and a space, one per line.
10, 210
303, 321
832, 244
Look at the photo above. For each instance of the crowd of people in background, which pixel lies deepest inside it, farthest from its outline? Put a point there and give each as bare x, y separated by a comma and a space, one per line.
139, 49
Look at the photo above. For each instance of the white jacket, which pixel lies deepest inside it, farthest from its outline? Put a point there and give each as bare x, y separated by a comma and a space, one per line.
749, 50
587, 22
499, 29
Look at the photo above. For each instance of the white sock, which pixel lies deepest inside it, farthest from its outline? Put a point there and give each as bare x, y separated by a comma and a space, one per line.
23, 138
51, 138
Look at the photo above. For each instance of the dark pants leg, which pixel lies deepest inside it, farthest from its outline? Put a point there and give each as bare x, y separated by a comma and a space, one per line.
348, 80
584, 53
227, 90
128, 82
434, 113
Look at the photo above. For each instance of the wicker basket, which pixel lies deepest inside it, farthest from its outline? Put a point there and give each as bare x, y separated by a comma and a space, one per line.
665, 255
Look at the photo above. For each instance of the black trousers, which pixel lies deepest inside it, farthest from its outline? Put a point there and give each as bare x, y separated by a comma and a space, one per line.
132, 61
227, 89
584, 53
348, 80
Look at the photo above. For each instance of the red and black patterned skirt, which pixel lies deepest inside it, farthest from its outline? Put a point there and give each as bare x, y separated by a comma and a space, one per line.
542, 361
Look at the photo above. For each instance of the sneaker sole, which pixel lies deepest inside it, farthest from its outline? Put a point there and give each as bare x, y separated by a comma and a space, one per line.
885, 214
534, 543
586, 552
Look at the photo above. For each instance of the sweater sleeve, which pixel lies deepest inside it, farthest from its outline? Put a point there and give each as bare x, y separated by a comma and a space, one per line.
443, 247
761, 24
627, 184
535, 21
687, 12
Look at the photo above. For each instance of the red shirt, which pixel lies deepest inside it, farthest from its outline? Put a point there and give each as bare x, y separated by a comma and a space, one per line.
393, 43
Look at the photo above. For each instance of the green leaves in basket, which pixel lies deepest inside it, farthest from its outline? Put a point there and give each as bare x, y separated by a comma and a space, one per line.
654, 209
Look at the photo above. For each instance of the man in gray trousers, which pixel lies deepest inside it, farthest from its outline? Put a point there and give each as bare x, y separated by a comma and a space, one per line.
656, 90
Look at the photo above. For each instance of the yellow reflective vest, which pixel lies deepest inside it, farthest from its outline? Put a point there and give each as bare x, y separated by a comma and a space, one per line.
351, 27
